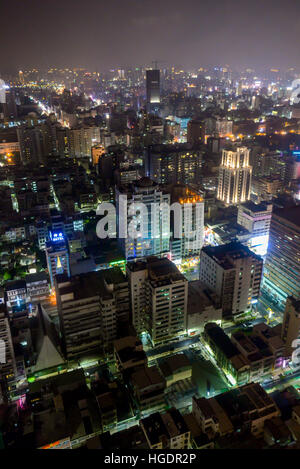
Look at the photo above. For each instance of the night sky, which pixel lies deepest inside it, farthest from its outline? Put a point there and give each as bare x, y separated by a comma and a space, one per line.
100, 34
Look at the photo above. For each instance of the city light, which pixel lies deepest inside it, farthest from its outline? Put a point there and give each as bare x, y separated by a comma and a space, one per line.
150, 229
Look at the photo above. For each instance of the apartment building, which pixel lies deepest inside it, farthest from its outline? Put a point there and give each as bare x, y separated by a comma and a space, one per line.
159, 295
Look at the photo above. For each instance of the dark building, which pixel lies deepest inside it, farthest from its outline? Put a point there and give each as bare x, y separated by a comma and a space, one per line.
195, 132
153, 91
173, 164
282, 268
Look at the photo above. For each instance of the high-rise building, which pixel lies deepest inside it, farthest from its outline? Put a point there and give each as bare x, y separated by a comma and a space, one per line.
10, 108
127, 173
235, 174
291, 324
57, 255
78, 142
195, 132
234, 273
92, 307
282, 267
97, 152
8, 369
2, 92
155, 224
256, 218
174, 164
153, 91
192, 213
30, 142
159, 294
224, 127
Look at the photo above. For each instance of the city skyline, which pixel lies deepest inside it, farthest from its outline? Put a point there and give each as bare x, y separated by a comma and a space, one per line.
150, 227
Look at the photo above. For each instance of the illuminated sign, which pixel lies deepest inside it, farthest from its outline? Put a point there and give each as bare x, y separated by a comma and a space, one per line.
57, 236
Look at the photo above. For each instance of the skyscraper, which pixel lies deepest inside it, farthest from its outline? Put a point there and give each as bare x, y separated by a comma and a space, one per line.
91, 306
8, 369
234, 273
235, 174
156, 235
2, 92
282, 268
10, 108
159, 294
291, 323
174, 164
153, 91
192, 219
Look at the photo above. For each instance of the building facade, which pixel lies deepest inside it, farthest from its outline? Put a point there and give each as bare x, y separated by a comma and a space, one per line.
282, 267
234, 273
234, 183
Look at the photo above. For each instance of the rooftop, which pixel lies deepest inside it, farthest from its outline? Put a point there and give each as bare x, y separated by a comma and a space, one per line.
262, 207
145, 377
221, 340
225, 254
90, 284
174, 363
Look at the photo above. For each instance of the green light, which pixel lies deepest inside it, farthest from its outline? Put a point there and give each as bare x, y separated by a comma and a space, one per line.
117, 262
31, 379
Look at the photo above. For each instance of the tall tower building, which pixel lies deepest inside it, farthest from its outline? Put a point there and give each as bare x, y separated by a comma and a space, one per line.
192, 218
235, 175
234, 273
30, 141
2, 92
10, 108
57, 255
156, 234
174, 164
291, 323
153, 91
282, 267
159, 295
91, 307
8, 369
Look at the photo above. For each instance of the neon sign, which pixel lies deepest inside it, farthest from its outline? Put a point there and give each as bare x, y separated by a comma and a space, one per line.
57, 236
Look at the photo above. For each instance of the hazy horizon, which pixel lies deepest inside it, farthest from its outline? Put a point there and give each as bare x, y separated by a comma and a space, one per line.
99, 35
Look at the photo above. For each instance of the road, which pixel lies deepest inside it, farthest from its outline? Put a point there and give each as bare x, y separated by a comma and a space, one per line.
281, 383
264, 306
169, 349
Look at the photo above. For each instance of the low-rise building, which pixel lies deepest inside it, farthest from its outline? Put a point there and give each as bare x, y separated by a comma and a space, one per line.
199, 439
247, 407
246, 358
148, 387
129, 353
176, 368
108, 410
166, 430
